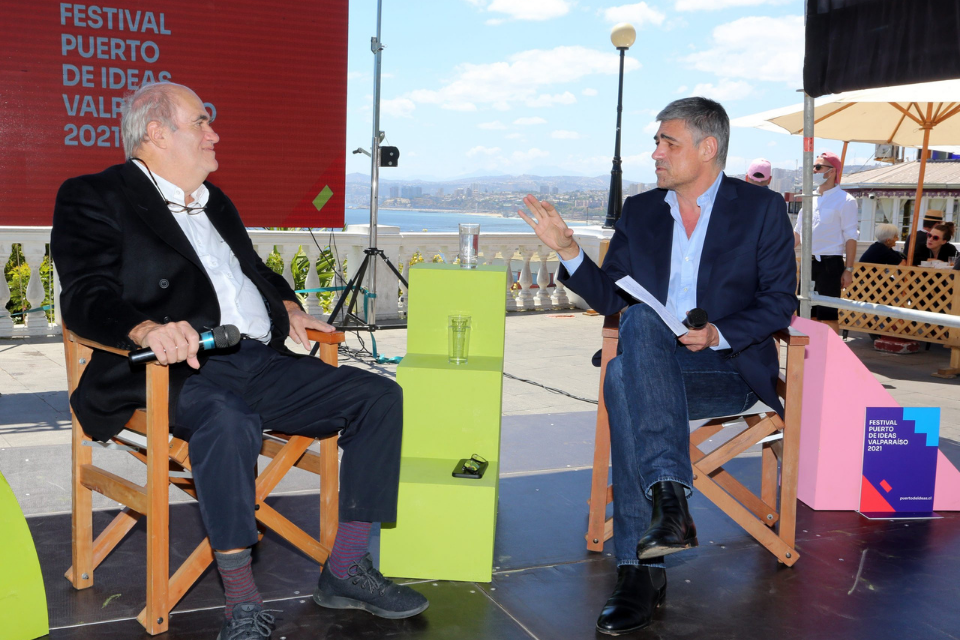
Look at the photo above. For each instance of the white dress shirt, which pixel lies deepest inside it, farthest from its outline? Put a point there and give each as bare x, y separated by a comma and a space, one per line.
684, 256
834, 222
240, 301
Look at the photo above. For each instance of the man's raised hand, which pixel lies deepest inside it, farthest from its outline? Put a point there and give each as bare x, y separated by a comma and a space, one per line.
550, 227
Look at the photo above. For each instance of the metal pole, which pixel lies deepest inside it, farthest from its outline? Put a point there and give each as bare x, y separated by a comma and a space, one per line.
615, 200
915, 217
806, 226
377, 48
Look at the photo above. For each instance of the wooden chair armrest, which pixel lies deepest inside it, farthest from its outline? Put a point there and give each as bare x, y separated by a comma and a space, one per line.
611, 326
95, 345
325, 338
792, 337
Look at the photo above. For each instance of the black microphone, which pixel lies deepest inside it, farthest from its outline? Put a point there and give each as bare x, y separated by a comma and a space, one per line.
218, 338
696, 318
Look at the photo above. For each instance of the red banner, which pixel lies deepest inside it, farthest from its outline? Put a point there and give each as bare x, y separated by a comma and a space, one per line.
273, 73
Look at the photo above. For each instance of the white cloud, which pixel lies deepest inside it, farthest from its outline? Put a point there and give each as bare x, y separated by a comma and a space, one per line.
635, 163
726, 90
526, 156
638, 15
756, 48
714, 5
546, 100
492, 22
492, 126
481, 150
478, 3
513, 136
353, 75
682, 88
398, 107
521, 78
652, 128
589, 92
524, 122
561, 134
531, 9
772, 143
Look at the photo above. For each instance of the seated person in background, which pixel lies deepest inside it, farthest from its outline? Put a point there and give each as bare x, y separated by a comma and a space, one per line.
938, 242
920, 252
882, 251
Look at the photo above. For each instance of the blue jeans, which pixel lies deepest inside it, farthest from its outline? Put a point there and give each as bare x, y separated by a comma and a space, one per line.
653, 388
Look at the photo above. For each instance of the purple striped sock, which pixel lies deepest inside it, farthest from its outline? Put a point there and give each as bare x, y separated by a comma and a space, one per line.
353, 538
238, 585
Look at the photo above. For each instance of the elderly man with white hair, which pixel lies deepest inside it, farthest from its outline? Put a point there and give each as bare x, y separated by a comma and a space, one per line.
882, 251
150, 253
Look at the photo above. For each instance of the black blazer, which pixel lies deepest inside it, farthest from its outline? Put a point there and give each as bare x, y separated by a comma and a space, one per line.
123, 259
746, 281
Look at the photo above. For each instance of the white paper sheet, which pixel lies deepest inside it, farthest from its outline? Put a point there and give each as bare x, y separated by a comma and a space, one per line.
634, 288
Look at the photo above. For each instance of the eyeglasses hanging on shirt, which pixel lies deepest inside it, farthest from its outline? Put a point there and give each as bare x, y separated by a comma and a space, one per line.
174, 207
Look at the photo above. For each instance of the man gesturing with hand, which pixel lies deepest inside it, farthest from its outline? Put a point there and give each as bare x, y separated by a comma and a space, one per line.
700, 240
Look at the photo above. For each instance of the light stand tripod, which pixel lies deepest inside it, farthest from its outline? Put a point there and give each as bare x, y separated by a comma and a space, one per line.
355, 287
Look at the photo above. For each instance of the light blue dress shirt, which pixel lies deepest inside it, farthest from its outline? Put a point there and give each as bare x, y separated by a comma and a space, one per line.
684, 256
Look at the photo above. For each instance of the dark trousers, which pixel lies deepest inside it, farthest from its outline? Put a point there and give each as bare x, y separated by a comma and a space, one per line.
224, 409
653, 388
826, 273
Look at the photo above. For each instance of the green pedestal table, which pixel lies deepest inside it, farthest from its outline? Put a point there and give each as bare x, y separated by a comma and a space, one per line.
445, 525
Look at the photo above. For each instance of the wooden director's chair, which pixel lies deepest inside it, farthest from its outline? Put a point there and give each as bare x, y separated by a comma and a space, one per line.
759, 515
147, 437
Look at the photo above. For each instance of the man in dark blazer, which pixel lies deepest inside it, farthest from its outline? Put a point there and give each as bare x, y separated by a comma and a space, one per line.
700, 240
149, 254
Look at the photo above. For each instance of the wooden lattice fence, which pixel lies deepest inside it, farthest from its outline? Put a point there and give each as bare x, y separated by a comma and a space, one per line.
918, 288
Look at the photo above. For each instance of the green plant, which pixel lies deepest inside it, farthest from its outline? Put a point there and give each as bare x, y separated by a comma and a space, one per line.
17, 274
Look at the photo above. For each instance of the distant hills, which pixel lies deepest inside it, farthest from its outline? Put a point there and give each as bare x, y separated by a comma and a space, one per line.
525, 182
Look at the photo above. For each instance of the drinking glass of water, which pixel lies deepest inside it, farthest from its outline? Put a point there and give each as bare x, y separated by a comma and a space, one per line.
469, 245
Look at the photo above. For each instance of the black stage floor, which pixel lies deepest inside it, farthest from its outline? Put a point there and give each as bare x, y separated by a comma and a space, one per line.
855, 579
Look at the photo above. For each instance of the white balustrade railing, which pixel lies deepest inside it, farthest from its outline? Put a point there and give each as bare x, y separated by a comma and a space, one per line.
530, 284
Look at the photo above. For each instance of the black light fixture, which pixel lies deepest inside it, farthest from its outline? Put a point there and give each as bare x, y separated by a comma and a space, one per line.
622, 36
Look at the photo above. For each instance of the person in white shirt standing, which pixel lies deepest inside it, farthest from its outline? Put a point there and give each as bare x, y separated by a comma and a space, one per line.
834, 238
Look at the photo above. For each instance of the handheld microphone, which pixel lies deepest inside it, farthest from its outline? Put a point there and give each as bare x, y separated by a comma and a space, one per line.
218, 338
696, 318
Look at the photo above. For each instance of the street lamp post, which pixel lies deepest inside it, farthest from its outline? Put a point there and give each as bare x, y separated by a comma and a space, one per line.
622, 36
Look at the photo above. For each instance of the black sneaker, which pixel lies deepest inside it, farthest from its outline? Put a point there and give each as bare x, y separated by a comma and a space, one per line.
366, 588
250, 622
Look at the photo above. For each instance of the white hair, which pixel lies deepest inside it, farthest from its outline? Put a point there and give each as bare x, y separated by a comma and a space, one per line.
154, 102
884, 232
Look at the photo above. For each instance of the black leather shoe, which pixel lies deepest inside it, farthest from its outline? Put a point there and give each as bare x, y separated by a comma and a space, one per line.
671, 527
640, 591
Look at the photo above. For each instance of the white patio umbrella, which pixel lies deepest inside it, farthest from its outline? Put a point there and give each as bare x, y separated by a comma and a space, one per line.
913, 115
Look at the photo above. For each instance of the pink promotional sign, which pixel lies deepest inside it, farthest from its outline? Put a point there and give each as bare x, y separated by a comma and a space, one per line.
900, 450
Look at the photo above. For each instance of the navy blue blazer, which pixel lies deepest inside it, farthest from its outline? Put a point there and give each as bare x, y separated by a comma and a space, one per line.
747, 279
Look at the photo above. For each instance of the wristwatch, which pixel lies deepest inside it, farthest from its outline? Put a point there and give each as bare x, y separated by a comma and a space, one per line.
850, 269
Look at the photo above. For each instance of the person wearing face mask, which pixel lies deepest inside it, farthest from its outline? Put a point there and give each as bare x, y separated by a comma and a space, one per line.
834, 235
938, 242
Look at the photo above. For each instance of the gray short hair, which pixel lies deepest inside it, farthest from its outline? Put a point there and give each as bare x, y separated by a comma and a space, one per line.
705, 118
883, 232
152, 102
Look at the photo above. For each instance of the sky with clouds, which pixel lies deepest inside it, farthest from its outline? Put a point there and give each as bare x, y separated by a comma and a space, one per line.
518, 86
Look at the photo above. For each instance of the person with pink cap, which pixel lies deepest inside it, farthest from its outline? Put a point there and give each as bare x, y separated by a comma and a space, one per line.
759, 172
834, 238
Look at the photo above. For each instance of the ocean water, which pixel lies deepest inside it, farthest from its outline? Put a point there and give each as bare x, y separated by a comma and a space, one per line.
416, 220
